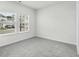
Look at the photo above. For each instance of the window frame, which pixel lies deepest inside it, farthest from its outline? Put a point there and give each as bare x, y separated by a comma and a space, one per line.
17, 26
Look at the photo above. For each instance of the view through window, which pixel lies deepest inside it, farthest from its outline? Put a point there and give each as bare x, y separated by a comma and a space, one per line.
24, 23
7, 24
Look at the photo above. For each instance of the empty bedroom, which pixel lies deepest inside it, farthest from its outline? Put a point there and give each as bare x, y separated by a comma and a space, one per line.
39, 29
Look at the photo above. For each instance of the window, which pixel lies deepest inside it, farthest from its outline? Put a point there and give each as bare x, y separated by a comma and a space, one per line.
24, 23
8, 23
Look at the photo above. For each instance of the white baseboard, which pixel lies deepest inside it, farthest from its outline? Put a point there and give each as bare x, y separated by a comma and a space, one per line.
55, 39
4, 43
13, 41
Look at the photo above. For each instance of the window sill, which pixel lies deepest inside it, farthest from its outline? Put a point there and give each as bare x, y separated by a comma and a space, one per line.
8, 34
13, 33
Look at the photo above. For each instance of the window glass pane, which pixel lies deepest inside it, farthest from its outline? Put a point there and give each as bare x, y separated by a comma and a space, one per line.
7, 23
24, 23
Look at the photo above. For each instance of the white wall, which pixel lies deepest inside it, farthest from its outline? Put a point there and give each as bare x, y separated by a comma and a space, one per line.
57, 22
18, 9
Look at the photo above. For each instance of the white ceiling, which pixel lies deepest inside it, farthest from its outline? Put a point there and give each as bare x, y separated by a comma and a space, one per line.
38, 4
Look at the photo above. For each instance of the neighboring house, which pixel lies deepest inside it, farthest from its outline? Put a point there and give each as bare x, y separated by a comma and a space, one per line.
3, 22
6, 21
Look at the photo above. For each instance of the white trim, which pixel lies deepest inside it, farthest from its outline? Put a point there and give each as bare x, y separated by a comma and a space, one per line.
14, 41
23, 32
77, 30
8, 34
49, 38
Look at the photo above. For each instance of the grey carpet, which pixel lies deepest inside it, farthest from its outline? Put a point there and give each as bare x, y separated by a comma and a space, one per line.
38, 47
